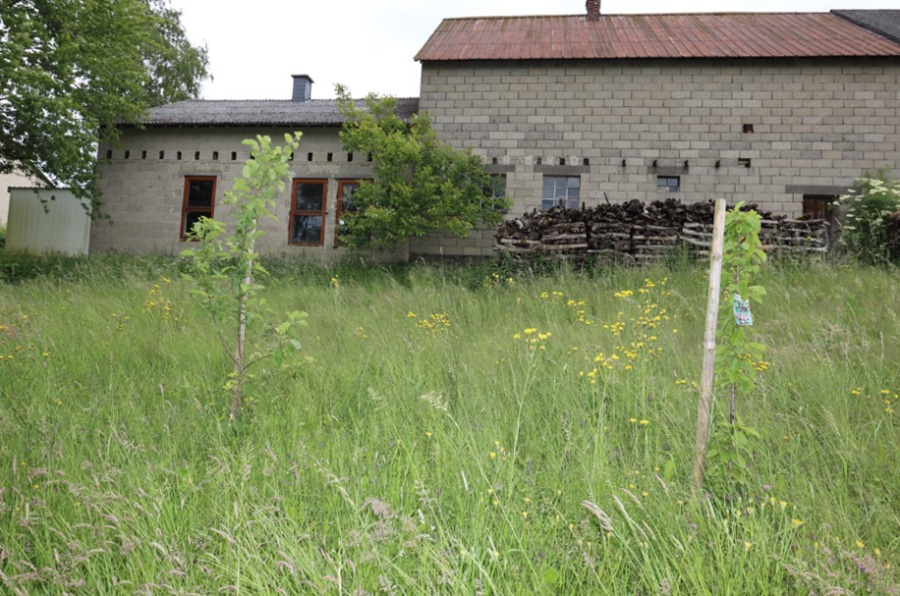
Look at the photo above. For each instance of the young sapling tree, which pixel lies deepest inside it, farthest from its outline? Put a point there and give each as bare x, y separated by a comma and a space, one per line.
737, 352
225, 267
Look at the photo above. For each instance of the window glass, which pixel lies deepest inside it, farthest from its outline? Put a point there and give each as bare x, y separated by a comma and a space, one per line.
198, 202
346, 188
561, 191
191, 218
309, 196
495, 189
668, 183
307, 229
200, 192
308, 212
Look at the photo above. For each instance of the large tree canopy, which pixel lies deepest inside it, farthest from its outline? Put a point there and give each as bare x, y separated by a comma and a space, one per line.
71, 70
421, 184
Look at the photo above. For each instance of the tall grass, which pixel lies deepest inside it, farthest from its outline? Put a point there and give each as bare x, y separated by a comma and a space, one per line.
446, 430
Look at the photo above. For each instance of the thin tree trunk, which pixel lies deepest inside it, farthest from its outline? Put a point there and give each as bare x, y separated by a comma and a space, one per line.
237, 390
709, 343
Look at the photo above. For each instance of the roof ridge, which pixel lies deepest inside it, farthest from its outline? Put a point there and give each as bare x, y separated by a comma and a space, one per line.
642, 14
245, 100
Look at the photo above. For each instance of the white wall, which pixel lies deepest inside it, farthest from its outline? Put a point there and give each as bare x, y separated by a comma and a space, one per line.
47, 220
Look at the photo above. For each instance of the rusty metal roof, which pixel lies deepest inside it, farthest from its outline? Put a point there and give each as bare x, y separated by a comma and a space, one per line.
712, 35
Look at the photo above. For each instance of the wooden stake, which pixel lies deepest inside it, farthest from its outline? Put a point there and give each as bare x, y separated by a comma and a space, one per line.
709, 342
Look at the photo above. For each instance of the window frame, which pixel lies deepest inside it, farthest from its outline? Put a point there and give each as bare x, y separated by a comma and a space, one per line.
339, 209
187, 209
667, 187
295, 212
567, 199
497, 182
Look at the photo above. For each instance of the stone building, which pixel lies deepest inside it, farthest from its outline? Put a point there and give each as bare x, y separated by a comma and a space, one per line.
163, 176
783, 109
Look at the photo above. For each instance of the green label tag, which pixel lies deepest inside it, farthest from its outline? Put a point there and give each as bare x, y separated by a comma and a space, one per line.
742, 315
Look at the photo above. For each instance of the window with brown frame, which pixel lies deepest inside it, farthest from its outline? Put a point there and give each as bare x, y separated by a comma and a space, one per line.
346, 188
199, 201
308, 211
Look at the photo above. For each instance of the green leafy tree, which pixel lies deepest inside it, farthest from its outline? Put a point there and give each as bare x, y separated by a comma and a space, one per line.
72, 71
226, 267
420, 184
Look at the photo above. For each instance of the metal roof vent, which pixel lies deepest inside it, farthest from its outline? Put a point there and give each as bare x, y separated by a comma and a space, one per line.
302, 88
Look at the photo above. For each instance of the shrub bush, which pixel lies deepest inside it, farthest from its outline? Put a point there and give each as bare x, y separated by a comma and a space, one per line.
871, 224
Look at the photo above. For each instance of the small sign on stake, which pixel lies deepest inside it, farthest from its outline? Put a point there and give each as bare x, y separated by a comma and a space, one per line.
742, 314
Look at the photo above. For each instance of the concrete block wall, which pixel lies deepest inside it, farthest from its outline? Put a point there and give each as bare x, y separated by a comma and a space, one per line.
817, 124
142, 184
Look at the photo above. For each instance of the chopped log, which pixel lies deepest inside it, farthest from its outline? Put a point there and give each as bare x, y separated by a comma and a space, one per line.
638, 232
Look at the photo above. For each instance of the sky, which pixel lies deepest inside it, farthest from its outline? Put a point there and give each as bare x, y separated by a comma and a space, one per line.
254, 47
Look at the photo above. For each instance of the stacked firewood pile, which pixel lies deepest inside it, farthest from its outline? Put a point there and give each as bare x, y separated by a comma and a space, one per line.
638, 232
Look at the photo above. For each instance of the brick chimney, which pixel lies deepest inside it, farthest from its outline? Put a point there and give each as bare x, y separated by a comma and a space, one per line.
593, 10
302, 88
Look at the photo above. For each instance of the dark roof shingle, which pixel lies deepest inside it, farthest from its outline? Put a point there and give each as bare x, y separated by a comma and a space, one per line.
315, 112
882, 22
725, 35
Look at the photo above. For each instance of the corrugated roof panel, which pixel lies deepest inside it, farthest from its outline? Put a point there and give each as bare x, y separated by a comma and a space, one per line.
728, 35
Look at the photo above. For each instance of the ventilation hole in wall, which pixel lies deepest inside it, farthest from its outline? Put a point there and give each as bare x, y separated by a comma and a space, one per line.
215, 155
586, 161
291, 156
369, 157
540, 160
329, 156
143, 155
162, 154
744, 161
233, 155
178, 155
349, 157
127, 154
109, 154
494, 160
748, 128
309, 157
562, 161
196, 155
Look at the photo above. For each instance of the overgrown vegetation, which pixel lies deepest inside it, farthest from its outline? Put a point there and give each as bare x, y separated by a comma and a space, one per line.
453, 430
871, 228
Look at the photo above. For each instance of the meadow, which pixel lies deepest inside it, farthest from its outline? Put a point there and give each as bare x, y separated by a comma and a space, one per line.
444, 430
